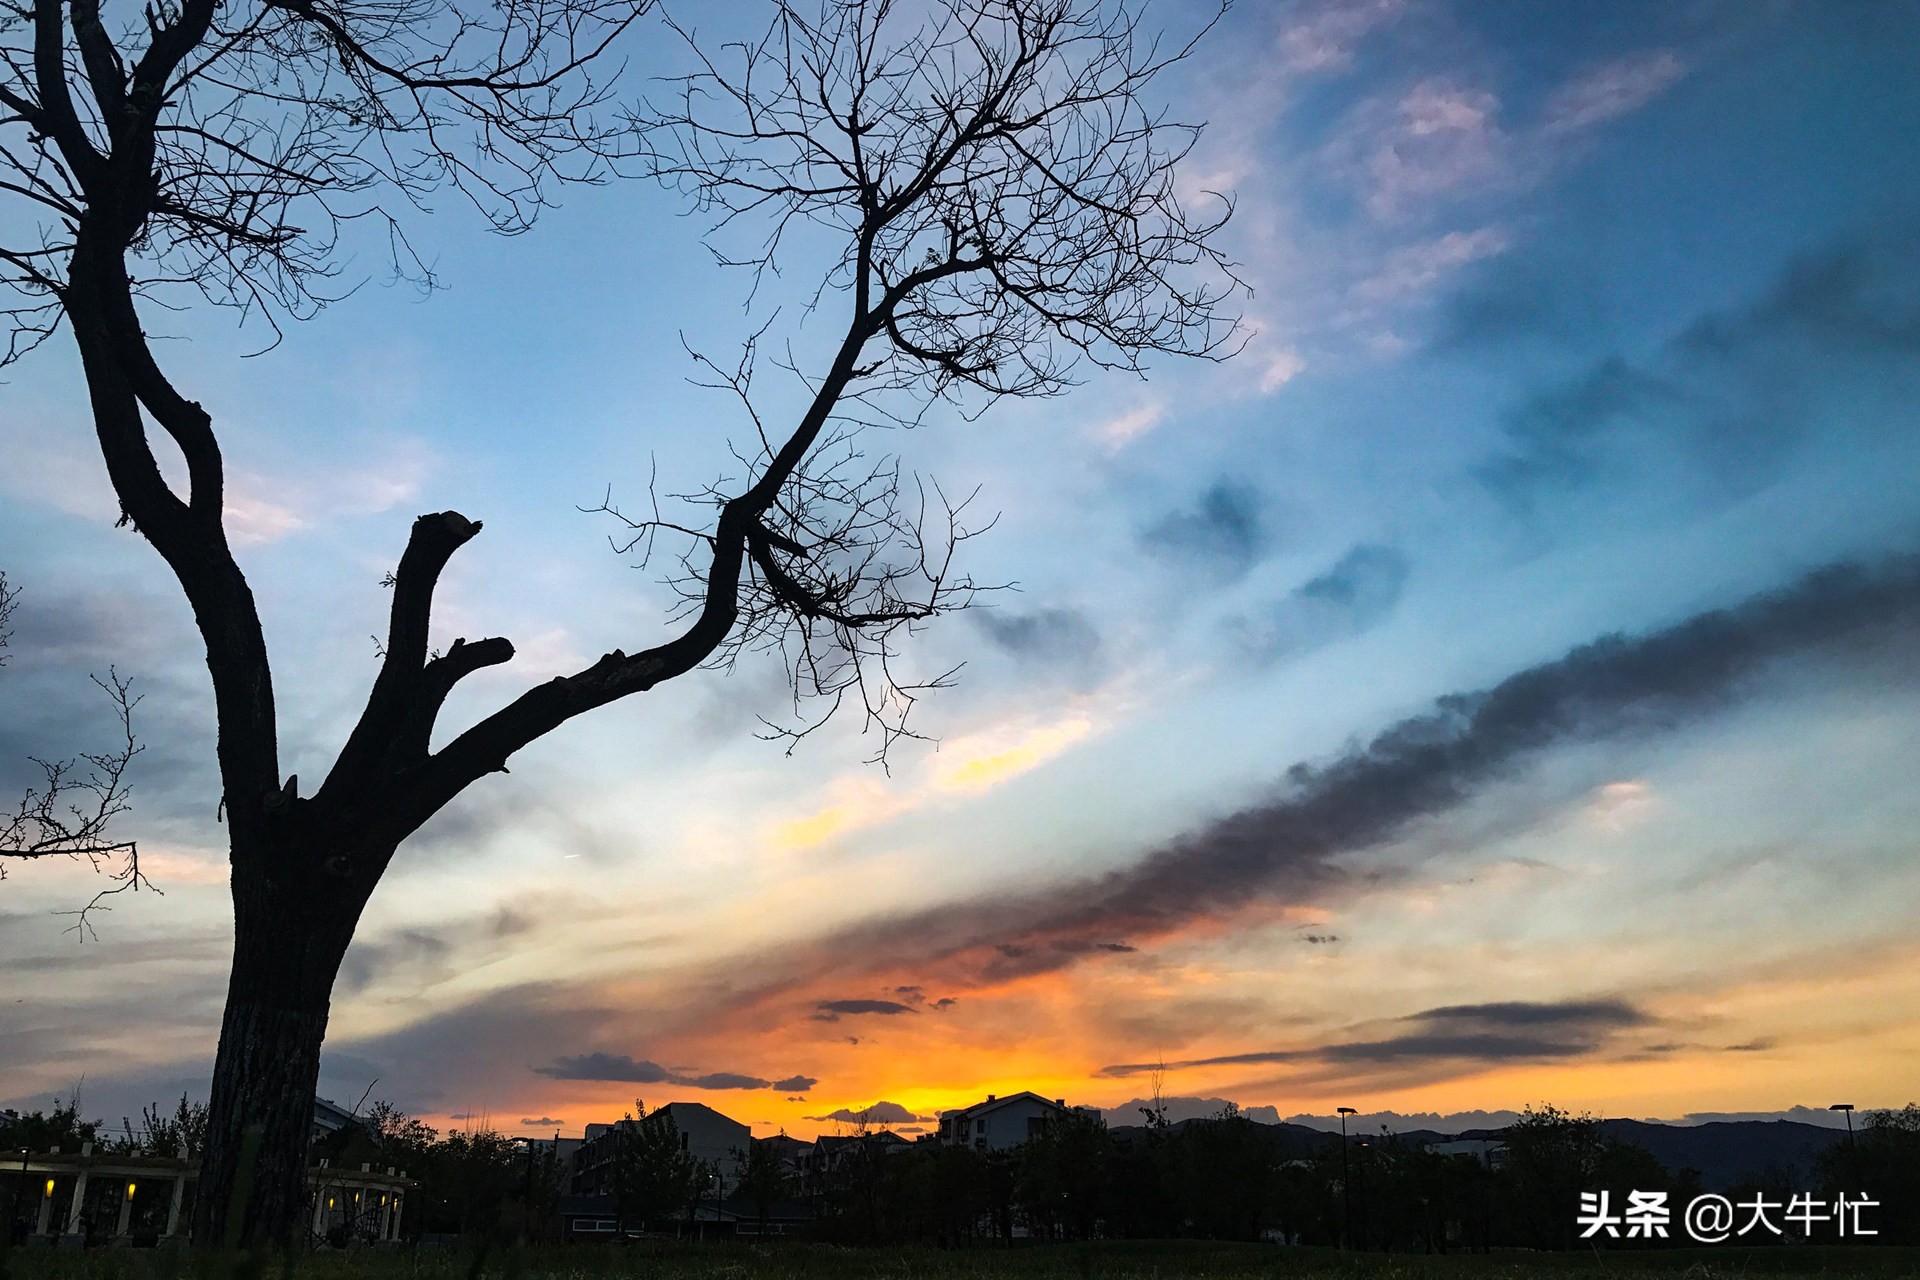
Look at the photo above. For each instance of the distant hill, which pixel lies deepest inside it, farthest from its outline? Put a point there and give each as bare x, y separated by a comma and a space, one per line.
1730, 1151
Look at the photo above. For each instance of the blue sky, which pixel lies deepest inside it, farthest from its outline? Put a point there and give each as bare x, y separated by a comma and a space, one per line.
1565, 321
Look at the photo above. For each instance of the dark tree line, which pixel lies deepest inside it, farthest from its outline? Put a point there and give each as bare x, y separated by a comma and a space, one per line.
1229, 1178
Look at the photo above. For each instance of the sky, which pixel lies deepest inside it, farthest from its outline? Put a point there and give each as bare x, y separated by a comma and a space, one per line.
1496, 685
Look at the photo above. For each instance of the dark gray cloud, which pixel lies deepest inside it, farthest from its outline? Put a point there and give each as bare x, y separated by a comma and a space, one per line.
722, 1080
1735, 390
542, 1122
1293, 846
796, 1084
418, 956
1517, 1031
878, 1113
622, 1067
833, 1010
1523, 1013
1044, 637
1224, 532
1514, 299
1858, 296
1354, 595
606, 1066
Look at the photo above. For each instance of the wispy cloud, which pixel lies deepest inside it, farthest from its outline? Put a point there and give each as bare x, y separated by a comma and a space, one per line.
1118, 432
1511, 1031
1323, 36
1611, 90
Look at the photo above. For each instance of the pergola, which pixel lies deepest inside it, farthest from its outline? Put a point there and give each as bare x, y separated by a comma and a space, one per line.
366, 1202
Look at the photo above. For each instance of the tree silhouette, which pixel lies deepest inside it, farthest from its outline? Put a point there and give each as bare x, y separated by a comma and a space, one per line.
70, 810
1006, 210
654, 1176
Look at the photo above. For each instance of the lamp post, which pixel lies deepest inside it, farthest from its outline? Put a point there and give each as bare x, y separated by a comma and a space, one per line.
1346, 1180
1363, 1195
1853, 1150
19, 1192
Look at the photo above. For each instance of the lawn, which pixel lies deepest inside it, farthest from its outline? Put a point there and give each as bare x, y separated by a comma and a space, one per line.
1119, 1260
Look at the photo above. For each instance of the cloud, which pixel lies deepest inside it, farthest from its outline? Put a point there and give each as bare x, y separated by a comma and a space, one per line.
1515, 1031
1117, 433
1510, 300
1417, 267
1280, 368
980, 761
1225, 532
1735, 388
1050, 637
1529, 1013
795, 1084
621, 1067
1293, 846
1355, 594
878, 1113
253, 520
834, 1010
542, 1122
1400, 154
1323, 37
1853, 296
1611, 90
605, 1066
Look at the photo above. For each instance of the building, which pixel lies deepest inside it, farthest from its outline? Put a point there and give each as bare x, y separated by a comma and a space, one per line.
999, 1124
719, 1142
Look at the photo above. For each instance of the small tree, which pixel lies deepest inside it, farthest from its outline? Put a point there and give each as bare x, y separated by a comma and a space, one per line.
182, 1135
1883, 1163
41, 1130
1063, 1176
763, 1176
654, 1176
1005, 211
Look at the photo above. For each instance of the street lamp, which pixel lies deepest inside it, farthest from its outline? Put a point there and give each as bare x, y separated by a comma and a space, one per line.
1853, 1151
1346, 1178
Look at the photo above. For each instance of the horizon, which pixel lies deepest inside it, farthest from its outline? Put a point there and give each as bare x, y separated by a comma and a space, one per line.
1496, 684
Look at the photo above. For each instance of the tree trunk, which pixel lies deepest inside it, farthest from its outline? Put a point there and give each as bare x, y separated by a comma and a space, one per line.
290, 934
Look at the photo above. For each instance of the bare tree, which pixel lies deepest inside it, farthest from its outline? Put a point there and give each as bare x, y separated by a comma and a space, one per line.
1008, 214
68, 812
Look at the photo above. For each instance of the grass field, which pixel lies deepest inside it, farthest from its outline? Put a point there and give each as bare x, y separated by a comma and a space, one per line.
1128, 1260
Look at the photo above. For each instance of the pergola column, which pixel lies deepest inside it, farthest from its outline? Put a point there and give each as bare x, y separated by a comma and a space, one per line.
319, 1208
393, 1219
45, 1221
173, 1203
79, 1203
126, 1212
